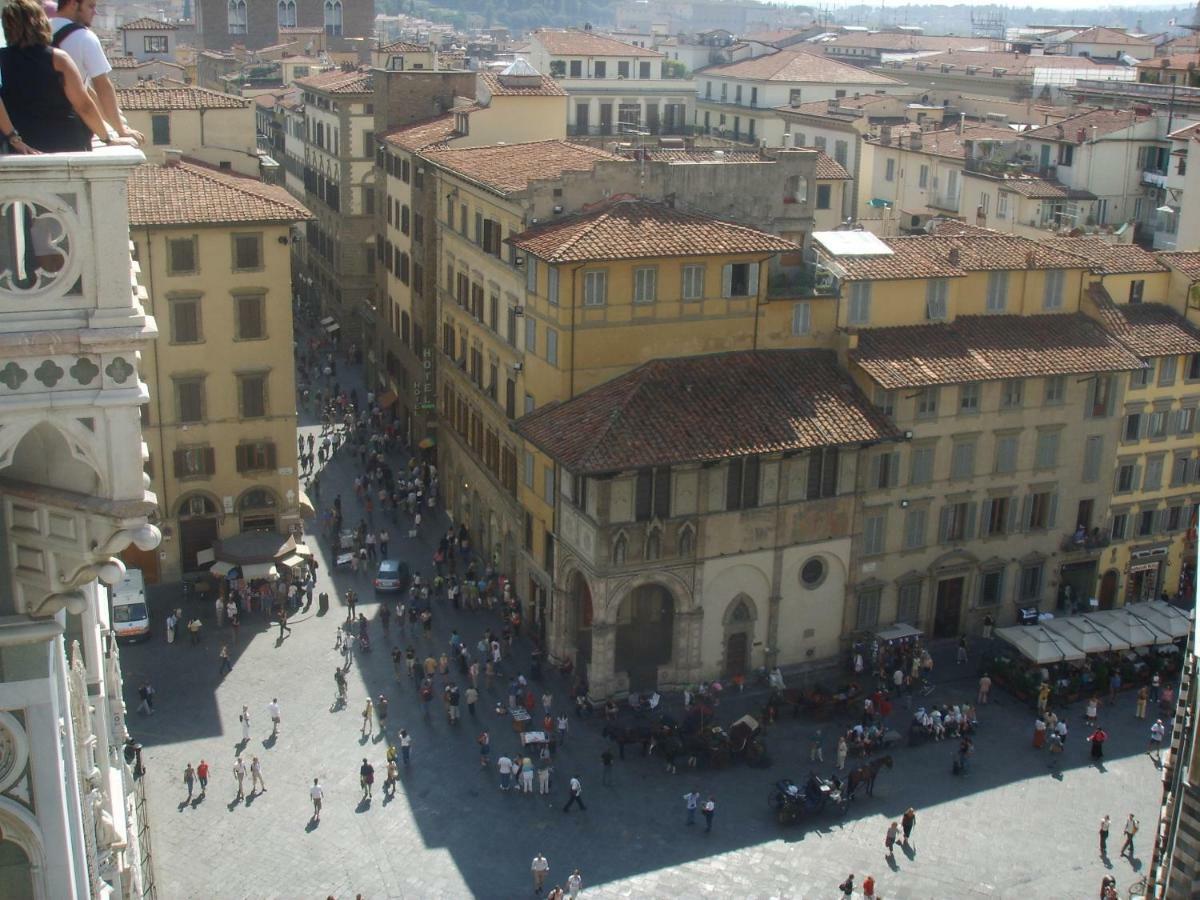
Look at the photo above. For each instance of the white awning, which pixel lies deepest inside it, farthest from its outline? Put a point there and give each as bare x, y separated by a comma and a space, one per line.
221, 568
1038, 645
1132, 631
259, 570
302, 550
897, 632
292, 560
1085, 634
1166, 618
333, 327
205, 556
328, 320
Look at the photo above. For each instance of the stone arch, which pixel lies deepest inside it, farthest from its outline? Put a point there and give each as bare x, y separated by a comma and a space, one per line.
578, 613
645, 632
183, 504
20, 828
679, 589
258, 509
737, 642
52, 452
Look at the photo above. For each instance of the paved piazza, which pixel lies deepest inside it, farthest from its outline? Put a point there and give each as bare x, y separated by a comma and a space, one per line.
1009, 829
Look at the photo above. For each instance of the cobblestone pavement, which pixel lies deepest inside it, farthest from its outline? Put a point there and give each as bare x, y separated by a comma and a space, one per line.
1009, 829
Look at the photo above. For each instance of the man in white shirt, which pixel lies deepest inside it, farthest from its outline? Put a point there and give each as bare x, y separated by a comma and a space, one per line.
574, 884
505, 766
82, 45
539, 868
273, 711
318, 794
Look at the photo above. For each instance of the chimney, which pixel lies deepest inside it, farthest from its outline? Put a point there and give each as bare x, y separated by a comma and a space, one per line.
172, 157
955, 256
885, 134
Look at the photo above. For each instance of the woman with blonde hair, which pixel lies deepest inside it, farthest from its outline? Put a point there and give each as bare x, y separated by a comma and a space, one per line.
46, 107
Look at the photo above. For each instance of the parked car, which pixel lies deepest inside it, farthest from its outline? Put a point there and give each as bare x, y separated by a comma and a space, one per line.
391, 576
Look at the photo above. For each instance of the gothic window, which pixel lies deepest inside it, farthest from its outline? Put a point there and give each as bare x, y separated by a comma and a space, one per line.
287, 13
687, 542
333, 18
618, 552
653, 544
741, 613
237, 16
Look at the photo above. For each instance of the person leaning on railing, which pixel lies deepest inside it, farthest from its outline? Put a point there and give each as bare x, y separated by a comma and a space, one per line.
44, 107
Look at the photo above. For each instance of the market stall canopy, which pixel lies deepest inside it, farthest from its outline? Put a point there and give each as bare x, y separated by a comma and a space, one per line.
1132, 631
204, 557
221, 568
1166, 618
254, 547
252, 571
306, 505
1038, 645
898, 632
1084, 633
292, 560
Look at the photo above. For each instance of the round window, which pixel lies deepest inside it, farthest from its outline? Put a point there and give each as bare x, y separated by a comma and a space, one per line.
813, 572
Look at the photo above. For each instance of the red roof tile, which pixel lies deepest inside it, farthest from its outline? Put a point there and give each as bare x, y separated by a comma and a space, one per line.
1106, 258
1091, 123
695, 409
639, 229
403, 47
154, 98
1185, 261
948, 142
1147, 329
989, 348
145, 23
508, 168
547, 87
829, 169
338, 82
187, 194
798, 66
428, 133
587, 43
1042, 189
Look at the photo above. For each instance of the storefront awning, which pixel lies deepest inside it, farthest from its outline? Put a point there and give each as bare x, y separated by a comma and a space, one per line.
222, 568
302, 550
292, 560
328, 320
204, 557
1038, 645
1085, 634
897, 632
1166, 618
307, 510
332, 327
1131, 630
259, 570
386, 399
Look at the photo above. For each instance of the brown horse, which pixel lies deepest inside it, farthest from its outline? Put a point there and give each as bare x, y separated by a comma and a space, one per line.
867, 775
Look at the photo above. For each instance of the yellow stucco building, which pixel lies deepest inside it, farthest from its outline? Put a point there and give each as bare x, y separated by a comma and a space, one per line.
221, 422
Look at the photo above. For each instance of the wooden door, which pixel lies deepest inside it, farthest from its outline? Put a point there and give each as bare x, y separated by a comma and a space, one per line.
737, 652
948, 610
195, 534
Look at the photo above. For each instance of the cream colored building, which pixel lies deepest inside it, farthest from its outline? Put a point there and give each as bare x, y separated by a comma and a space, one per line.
216, 129
221, 419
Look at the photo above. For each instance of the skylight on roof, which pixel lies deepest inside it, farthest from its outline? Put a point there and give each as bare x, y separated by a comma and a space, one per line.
852, 243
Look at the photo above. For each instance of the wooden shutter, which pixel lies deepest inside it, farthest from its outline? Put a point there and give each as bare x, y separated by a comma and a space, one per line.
662, 492
944, 524
726, 279
270, 455
733, 485
1011, 525
829, 475
813, 488
644, 495
242, 455
179, 462
750, 481
985, 516
752, 280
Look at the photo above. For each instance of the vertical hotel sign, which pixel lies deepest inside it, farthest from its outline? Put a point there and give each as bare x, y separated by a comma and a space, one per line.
425, 386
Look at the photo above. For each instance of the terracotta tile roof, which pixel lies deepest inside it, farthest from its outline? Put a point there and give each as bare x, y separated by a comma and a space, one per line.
695, 409
1015, 64
702, 156
587, 43
772, 37
1147, 329
1186, 262
403, 47
1098, 34
187, 194
639, 229
929, 256
1173, 61
829, 169
887, 40
547, 87
947, 142
508, 168
988, 348
145, 23
154, 98
821, 107
338, 82
1107, 258
126, 62
1104, 121
428, 133
798, 66
1182, 134
1043, 189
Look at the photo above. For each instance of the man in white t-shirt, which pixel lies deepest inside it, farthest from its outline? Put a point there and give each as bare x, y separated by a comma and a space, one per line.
317, 793
82, 45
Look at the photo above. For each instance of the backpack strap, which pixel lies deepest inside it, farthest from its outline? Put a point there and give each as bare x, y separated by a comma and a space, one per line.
65, 32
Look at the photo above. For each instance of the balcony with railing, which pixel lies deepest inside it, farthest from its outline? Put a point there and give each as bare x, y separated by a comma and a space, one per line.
807, 281
1085, 542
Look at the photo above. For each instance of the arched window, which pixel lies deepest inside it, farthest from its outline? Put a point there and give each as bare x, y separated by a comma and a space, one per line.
237, 16
256, 499
741, 613
618, 551
687, 541
287, 13
197, 505
257, 510
653, 544
333, 18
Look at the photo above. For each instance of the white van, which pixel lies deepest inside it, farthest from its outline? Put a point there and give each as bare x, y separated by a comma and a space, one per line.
130, 614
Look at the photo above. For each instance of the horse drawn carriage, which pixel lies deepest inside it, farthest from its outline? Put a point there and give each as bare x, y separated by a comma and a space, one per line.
818, 702
792, 802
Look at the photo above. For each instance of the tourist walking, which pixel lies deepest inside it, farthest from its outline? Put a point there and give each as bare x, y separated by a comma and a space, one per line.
985, 687
539, 868
244, 718
1131, 829
1157, 732
226, 666
890, 840
574, 884
366, 778
239, 774
317, 794
273, 712
146, 694
1105, 823
485, 748
709, 809
606, 760
189, 778
256, 779
405, 746
368, 718
505, 766
544, 772
692, 801
908, 822
576, 789
202, 775
842, 750
1143, 697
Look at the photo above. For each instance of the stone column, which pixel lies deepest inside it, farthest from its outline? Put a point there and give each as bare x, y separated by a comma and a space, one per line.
602, 676
686, 664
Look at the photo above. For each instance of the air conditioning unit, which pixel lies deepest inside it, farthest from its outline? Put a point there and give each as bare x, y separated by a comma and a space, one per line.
518, 310
518, 367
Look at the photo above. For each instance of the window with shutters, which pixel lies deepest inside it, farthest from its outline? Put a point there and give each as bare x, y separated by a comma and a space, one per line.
962, 460
739, 280
927, 402
915, 526
991, 587
923, 177
1152, 480
1006, 454
257, 457
1187, 420
250, 319
510, 398
921, 467
530, 334
160, 130
1193, 367
741, 483
1140, 378
1179, 469
874, 533
824, 195
595, 287
995, 517
548, 485
189, 399
252, 396
822, 473
908, 605
867, 616
997, 291
477, 301
1041, 511
194, 462
645, 284
653, 494
859, 311
552, 346
957, 522
1167, 368
1174, 519
889, 170
185, 320
936, 292
1128, 474
529, 469
247, 252
968, 398
885, 469
1052, 298
801, 319
492, 235
1132, 430
530, 404
181, 256
494, 312
552, 285
1100, 397
1054, 390
1046, 455
1119, 527
1012, 393
1156, 425
693, 283
886, 401
531, 273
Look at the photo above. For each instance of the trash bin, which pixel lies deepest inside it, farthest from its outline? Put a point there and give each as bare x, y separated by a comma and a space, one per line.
322, 603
